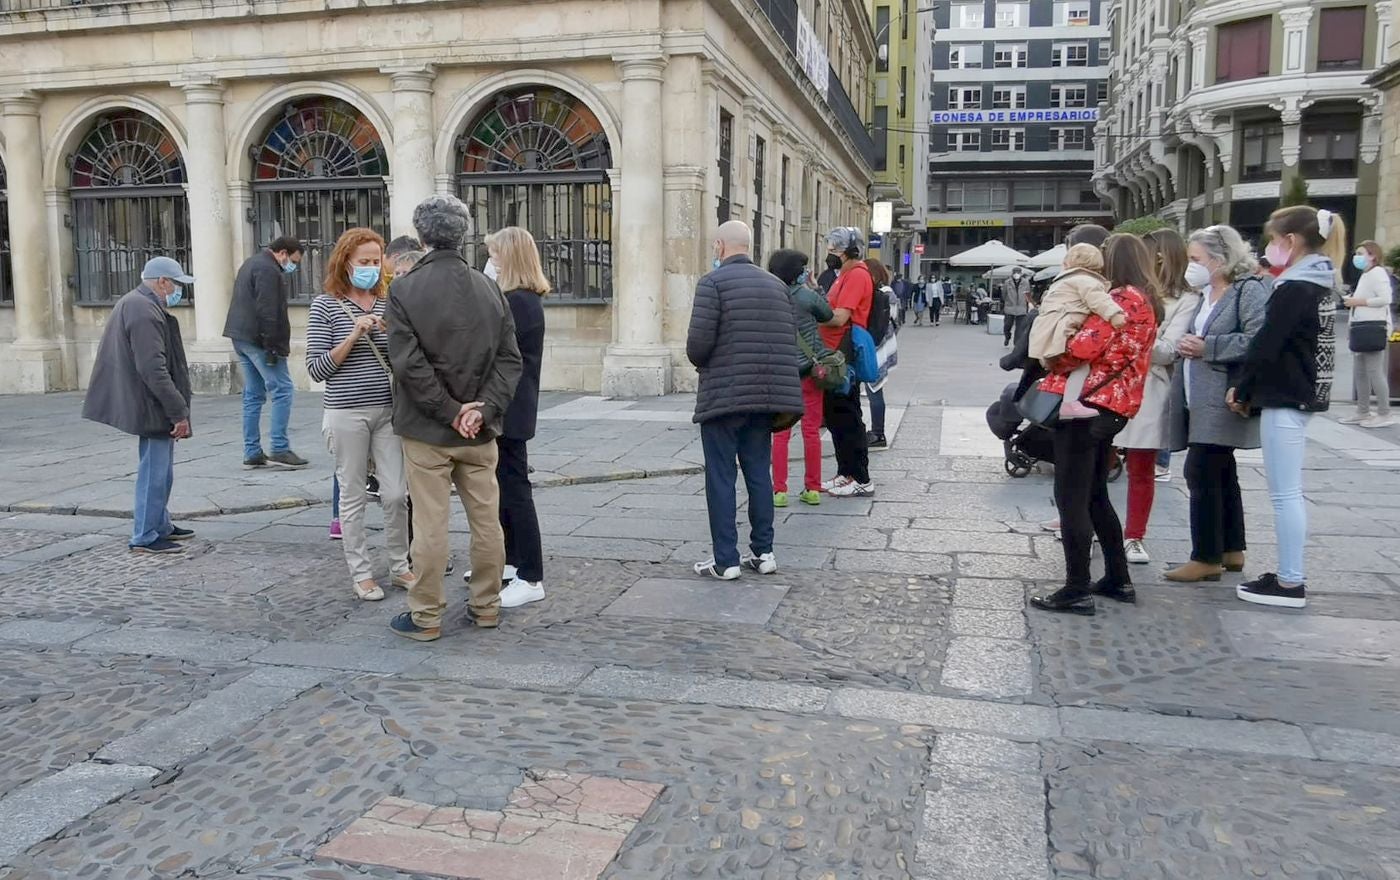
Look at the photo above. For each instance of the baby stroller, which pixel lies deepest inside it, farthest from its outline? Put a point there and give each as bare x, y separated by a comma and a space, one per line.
1027, 444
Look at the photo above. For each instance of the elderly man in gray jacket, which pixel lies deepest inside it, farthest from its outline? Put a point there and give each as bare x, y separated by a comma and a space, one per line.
743, 340
141, 385
1015, 302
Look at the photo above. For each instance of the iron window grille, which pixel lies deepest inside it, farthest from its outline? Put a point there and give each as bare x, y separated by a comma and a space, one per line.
7, 278
726, 165
760, 148
127, 181
538, 158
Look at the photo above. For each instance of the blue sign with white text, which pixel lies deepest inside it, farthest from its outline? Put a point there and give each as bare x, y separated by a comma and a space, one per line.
978, 117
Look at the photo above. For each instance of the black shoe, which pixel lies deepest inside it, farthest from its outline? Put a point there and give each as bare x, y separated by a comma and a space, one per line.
159, 545
1267, 590
1118, 592
372, 487
1066, 601
179, 534
255, 461
288, 459
875, 441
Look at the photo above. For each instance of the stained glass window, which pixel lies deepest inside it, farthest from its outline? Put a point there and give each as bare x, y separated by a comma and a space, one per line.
319, 138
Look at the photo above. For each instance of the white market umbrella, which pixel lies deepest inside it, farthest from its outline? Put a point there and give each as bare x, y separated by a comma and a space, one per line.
993, 253
1000, 273
1054, 257
1048, 272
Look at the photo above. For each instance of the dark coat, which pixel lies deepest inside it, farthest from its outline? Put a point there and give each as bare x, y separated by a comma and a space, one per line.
1019, 358
140, 382
527, 308
743, 339
451, 341
1287, 363
258, 311
809, 309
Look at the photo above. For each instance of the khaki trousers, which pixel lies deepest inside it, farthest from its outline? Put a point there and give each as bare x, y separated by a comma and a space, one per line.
432, 472
356, 437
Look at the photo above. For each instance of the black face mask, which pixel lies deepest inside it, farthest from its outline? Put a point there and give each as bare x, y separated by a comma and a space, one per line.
833, 262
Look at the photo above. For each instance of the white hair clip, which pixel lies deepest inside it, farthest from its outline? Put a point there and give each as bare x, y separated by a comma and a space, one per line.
1324, 222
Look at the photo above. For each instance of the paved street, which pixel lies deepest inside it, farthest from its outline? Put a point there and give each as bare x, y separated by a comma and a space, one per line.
883, 707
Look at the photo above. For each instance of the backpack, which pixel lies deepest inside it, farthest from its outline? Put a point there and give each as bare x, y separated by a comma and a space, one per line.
864, 363
878, 324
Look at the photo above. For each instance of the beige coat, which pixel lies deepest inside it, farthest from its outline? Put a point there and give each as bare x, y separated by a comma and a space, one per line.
1149, 429
1072, 296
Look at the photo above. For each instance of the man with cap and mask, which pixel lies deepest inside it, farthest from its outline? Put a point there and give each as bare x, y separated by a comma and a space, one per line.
1015, 296
141, 385
850, 298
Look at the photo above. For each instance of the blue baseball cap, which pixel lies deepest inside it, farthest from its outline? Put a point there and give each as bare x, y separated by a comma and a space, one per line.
164, 267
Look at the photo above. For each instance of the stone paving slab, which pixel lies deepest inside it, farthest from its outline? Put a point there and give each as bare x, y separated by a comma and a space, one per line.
184, 644
747, 602
673, 687
44, 807
346, 657
1355, 746
981, 823
1334, 640
1255, 737
48, 632
1022, 723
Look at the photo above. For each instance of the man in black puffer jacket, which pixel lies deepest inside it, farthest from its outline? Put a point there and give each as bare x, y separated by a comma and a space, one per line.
743, 340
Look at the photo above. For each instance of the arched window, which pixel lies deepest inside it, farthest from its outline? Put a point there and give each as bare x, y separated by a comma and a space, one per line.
318, 171
7, 280
537, 157
127, 183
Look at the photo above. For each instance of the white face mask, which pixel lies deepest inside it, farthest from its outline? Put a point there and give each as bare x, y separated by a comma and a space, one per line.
1197, 276
490, 270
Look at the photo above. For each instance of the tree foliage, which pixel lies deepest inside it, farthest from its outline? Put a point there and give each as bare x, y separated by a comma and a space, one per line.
1141, 225
1295, 194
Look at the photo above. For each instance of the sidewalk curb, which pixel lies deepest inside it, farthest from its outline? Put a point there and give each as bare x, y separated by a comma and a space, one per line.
297, 503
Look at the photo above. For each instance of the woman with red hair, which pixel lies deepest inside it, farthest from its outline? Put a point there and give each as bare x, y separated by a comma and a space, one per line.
348, 350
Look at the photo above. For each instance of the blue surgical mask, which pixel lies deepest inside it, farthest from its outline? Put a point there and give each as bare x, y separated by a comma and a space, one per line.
364, 277
289, 267
173, 298
1361, 262
804, 277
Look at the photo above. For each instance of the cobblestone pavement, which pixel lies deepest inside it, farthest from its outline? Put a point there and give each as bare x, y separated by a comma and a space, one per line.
884, 707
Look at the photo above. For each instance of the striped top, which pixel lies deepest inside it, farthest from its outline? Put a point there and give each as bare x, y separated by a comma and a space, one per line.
360, 382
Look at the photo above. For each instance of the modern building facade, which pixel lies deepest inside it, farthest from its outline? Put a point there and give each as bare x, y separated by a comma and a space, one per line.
1217, 105
899, 121
1015, 98
620, 133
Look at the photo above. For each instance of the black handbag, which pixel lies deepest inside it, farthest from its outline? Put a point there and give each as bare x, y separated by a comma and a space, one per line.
1364, 336
1040, 407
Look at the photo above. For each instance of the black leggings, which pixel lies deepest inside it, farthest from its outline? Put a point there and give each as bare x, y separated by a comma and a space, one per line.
518, 518
1217, 512
1081, 494
846, 423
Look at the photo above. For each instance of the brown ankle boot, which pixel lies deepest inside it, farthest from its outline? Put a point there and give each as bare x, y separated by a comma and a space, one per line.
1193, 572
1234, 560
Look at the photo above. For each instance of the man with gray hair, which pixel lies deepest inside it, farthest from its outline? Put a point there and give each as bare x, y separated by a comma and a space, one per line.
456, 363
851, 300
743, 340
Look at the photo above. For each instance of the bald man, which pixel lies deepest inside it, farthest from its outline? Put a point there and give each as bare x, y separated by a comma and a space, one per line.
743, 342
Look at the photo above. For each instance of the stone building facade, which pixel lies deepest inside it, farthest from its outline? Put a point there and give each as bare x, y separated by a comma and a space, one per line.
620, 133
1387, 79
1217, 105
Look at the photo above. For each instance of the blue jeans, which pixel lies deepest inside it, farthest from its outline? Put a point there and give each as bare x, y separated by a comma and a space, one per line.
155, 475
335, 497
1284, 436
1164, 458
747, 439
259, 381
877, 410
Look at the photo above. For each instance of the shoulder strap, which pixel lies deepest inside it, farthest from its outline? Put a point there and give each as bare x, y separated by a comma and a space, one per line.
370, 342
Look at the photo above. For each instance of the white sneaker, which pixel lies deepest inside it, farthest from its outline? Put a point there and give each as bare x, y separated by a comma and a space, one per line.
1163, 475
1378, 422
710, 569
1354, 419
767, 563
521, 592
1137, 554
836, 483
506, 577
852, 489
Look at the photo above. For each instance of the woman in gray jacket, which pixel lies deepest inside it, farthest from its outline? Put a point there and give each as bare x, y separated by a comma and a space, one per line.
1230, 313
809, 308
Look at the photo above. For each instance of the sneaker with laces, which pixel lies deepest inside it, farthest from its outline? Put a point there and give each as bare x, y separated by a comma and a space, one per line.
709, 568
508, 576
1354, 419
335, 530
159, 545
853, 489
521, 592
179, 534
780, 499
372, 487
763, 563
1268, 590
1378, 422
1136, 553
255, 461
287, 459
835, 482
403, 625
1163, 475
810, 496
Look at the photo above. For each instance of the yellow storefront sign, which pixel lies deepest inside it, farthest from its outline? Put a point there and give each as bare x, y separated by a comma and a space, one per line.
963, 224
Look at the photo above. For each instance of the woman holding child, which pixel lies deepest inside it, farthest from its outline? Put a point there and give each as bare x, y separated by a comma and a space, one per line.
1106, 324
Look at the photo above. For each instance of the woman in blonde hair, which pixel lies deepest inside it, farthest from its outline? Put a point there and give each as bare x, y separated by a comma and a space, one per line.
521, 278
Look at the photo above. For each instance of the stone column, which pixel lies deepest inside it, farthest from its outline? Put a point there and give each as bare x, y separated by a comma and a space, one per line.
36, 363
1198, 38
1295, 39
211, 235
1290, 112
413, 172
1383, 19
638, 364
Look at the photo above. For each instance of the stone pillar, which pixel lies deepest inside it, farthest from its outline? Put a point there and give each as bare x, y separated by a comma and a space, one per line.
414, 132
1383, 19
36, 362
1291, 115
1295, 39
211, 236
1198, 38
638, 364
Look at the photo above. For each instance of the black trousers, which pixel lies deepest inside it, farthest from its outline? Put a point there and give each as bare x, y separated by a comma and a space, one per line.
518, 518
1217, 512
847, 426
1081, 494
1009, 323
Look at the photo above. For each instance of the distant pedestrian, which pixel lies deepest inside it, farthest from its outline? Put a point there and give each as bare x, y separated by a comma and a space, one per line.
743, 340
1015, 297
879, 275
456, 365
810, 308
1287, 375
141, 385
904, 293
1370, 306
261, 331
851, 299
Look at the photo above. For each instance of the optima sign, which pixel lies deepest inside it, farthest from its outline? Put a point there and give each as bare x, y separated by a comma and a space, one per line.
979, 117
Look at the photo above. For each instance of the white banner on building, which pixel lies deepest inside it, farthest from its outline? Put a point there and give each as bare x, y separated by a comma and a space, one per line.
978, 117
811, 55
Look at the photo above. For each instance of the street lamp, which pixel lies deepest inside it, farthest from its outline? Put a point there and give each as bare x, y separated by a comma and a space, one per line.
883, 52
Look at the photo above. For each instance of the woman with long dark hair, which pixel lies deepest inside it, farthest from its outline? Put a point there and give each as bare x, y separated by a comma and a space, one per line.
1118, 364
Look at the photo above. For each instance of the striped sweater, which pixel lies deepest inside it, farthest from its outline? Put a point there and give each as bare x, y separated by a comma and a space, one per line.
360, 382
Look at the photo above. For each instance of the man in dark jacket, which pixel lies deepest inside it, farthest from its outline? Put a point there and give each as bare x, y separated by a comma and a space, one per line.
262, 337
456, 364
141, 385
743, 340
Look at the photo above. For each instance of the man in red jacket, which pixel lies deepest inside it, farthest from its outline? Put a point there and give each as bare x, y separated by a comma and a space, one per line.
851, 298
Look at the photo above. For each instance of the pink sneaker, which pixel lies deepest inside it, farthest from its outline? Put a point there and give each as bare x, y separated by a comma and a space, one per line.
1073, 409
335, 530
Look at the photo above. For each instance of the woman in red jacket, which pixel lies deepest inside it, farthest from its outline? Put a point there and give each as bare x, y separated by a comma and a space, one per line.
1119, 361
